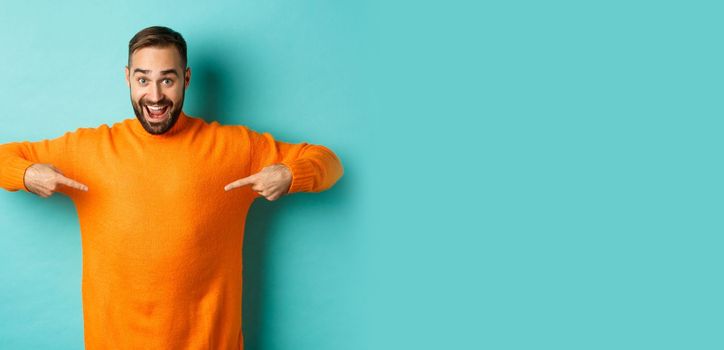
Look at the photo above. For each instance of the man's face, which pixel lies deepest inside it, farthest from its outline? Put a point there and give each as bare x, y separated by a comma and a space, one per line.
158, 81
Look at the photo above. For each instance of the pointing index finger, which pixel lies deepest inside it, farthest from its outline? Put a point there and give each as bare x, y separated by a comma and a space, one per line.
72, 183
239, 183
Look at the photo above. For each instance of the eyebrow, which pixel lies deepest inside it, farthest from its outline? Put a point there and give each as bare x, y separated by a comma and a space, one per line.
163, 72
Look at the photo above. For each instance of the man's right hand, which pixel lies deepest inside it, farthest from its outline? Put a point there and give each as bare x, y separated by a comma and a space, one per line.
44, 179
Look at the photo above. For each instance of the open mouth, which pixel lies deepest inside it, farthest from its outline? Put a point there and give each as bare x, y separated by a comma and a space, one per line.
156, 113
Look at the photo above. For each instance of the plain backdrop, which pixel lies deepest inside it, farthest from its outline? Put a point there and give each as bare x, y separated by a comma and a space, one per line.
518, 175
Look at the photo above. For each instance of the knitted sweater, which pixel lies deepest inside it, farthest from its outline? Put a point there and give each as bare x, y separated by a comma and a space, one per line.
161, 238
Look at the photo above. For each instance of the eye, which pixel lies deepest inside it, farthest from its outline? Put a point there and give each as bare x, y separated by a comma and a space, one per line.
168, 81
142, 81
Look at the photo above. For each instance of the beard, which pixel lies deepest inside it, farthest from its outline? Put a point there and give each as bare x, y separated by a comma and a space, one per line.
158, 128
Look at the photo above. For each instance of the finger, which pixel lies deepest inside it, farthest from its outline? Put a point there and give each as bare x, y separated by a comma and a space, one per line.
241, 182
72, 183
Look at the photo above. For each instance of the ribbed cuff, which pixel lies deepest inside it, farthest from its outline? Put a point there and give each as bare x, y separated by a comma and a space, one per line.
303, 175
13, 174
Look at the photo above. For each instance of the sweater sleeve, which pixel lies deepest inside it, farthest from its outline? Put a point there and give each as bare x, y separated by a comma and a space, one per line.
16, 157
315, 168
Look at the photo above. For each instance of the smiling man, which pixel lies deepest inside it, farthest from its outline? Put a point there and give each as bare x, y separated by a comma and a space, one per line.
157, 106
162, 200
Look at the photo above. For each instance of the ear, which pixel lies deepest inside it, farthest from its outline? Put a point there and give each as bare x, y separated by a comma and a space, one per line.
187, 77
128, 77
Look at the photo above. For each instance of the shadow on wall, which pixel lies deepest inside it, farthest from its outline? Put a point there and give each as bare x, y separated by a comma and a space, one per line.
214, 85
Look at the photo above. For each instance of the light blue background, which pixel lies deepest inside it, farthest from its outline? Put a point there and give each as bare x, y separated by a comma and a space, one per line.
290, 69
534, 175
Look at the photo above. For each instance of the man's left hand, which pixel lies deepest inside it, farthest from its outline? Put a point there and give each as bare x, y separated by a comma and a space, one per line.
271, 182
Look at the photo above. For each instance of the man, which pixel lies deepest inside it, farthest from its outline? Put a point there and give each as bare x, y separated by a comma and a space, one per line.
162, 201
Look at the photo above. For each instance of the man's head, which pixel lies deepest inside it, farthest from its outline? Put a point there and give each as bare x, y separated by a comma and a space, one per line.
157, 76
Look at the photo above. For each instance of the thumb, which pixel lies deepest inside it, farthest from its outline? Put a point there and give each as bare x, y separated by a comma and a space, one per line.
249, 180
56, 169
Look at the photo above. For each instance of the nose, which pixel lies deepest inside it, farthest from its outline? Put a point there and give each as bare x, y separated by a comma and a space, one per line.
155, 95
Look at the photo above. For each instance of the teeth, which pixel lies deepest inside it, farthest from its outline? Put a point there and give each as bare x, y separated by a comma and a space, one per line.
156, 108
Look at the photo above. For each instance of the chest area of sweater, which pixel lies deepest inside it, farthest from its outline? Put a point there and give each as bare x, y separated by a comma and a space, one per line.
163, 176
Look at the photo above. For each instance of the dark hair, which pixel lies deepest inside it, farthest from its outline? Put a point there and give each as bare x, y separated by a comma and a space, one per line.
158, 36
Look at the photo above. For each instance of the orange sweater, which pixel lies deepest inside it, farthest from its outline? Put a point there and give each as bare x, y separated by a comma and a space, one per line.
161, 239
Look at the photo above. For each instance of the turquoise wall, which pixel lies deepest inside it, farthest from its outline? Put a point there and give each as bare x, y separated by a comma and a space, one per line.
518, 175
292, 69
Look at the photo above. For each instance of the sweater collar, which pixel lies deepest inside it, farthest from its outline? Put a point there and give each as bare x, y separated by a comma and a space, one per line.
180, 125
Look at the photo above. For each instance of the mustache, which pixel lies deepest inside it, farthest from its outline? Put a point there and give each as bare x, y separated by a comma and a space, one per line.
158, 103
